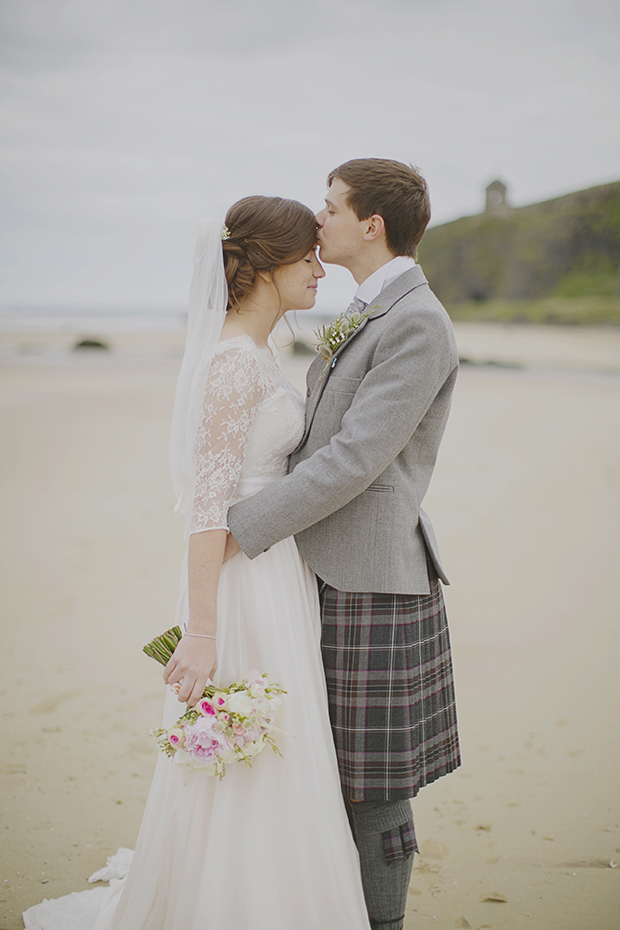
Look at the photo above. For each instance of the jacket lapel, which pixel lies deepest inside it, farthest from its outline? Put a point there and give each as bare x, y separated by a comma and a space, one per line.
378, 307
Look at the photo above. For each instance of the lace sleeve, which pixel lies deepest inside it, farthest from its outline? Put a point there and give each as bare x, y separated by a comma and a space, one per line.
234, 389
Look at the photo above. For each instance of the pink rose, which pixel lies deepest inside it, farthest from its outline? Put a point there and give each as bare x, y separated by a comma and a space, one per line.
206, 708
176, 737
254, 678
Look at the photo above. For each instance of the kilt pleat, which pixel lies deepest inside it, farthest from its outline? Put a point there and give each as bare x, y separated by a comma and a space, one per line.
388, 667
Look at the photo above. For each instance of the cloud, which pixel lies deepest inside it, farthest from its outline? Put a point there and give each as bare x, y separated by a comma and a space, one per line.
127, 121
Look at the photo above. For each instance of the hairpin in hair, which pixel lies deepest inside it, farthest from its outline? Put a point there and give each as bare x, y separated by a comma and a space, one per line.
225, 233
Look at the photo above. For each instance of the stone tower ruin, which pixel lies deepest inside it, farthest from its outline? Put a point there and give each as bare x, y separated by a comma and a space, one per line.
496, 202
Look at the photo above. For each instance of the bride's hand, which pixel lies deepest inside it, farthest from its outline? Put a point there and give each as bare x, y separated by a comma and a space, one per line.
193, 662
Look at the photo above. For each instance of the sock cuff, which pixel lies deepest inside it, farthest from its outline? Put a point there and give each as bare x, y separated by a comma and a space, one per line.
379, 816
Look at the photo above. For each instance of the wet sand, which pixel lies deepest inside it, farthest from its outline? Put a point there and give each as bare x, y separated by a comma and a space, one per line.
525, 502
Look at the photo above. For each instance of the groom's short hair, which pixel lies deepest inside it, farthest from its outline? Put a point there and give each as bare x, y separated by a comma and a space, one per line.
395, 191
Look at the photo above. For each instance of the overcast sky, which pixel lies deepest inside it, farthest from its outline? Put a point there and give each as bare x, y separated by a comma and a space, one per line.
126, 121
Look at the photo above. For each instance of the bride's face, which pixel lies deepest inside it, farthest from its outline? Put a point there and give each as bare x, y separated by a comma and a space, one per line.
297, 283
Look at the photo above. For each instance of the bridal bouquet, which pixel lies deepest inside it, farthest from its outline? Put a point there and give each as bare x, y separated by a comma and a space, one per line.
227, 725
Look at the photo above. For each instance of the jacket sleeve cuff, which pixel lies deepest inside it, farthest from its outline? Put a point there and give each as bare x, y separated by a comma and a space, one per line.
246, 538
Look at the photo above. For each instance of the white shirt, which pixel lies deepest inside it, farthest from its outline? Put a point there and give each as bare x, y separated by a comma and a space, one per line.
374, 284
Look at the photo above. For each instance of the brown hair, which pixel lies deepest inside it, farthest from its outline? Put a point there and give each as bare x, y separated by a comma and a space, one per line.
395, 191
265, 233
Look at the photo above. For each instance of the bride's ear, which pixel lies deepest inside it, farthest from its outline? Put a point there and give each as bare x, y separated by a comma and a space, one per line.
266, 276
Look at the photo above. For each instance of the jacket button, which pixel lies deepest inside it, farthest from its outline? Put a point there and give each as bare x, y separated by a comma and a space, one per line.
308, 393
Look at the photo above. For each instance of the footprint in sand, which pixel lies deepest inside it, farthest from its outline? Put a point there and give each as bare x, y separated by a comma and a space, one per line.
50, 704
429, 849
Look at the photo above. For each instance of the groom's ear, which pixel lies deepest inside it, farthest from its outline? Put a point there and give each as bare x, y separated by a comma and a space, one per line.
375, 227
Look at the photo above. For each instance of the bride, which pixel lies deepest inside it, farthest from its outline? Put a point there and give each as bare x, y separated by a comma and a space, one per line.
267, 847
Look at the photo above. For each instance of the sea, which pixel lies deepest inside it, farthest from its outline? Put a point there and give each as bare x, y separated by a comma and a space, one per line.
41, 334
148, 332
75, 320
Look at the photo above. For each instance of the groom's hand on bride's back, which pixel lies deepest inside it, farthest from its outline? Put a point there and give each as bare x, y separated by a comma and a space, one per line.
232, 547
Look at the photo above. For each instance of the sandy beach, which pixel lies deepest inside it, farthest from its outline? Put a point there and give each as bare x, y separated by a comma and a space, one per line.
526, 505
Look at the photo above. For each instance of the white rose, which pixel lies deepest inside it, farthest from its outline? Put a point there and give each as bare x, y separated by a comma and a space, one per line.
261, 705
182, 758
228, 756
239, 703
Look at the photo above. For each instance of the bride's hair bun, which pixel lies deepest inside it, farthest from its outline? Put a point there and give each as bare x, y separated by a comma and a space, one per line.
265, 233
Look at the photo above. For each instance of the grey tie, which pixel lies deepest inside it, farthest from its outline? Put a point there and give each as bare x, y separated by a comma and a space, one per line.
356, 306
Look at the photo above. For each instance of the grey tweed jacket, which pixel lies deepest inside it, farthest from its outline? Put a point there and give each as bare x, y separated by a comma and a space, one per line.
375, 416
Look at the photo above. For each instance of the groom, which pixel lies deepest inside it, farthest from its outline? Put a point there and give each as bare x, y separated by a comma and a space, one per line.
375, 415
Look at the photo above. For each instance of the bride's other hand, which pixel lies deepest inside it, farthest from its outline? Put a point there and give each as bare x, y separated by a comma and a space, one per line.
232, 547
195, 658
193, 662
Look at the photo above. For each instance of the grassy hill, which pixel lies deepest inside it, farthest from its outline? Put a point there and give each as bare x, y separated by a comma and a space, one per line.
556, 261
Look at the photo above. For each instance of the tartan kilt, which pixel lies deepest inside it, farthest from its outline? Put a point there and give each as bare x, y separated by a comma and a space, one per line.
388, 668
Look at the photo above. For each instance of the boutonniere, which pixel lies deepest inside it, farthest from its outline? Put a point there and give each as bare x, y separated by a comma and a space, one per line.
330, 338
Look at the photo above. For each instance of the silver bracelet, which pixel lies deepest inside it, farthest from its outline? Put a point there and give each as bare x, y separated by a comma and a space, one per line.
201, 635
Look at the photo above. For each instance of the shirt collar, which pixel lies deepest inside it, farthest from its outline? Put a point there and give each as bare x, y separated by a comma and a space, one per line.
374, 284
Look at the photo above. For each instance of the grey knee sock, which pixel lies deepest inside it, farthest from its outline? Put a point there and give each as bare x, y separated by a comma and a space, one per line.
385, 837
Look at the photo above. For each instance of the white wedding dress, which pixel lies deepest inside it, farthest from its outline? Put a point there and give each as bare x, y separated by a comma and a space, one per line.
267, 847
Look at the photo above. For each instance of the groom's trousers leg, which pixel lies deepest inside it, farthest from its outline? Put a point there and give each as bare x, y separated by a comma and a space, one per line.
385, 838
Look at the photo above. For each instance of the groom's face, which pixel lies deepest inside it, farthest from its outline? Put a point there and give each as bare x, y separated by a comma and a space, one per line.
340, 234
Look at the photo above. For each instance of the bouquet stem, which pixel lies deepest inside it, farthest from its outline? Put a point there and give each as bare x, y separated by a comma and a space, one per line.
162, 647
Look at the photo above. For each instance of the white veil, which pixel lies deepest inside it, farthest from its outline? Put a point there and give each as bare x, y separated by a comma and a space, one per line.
207, 312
